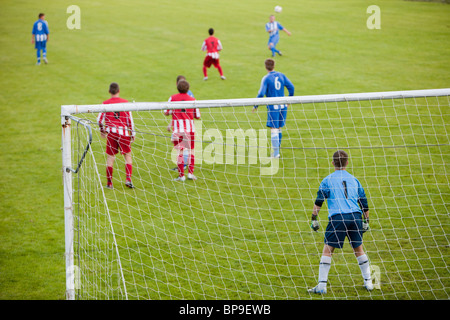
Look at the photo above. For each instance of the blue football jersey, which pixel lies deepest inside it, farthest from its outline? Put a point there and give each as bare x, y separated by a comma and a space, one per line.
343, 192
273, 84
40, 30
274, 28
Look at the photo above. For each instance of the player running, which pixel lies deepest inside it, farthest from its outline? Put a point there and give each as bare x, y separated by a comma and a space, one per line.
348, 216
118, 129
40, 36
272, 85
212, 46
273, 27
183, 130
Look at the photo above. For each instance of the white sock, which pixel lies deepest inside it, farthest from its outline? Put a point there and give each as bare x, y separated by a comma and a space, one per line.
324, 268
364, 265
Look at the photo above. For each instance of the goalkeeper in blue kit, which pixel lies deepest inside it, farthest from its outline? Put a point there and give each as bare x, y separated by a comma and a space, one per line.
348, 217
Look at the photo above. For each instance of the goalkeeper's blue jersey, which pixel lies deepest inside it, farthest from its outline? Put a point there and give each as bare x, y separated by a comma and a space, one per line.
344, 193
273, 84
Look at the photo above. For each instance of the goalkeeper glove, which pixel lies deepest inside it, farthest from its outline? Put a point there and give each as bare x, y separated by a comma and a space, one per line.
314, 223
365, 225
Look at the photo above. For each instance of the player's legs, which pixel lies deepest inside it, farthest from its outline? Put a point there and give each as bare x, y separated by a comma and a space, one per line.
334, 238
38, 56
179, 143
180, 162
324, 269
44, 51
128, 169
112, 148
206, 64
217, 65
364, 265
44, 55
273, 122
186, 156
109, 170
275, 139
282, 121
191, 156
273, 41
125, 147
354, 235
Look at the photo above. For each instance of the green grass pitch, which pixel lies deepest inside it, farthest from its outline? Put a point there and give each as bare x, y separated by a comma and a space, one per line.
144, 45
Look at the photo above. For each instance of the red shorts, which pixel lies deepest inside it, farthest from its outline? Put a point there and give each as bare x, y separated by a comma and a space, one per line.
183, 140
114, 142
210, 61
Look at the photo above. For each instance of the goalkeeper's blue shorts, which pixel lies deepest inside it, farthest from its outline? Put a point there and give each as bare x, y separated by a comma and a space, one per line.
345, 225
276, 116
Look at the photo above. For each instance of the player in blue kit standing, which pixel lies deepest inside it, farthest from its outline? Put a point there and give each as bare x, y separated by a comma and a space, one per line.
348, 217
40, 36
273, 27
272, 85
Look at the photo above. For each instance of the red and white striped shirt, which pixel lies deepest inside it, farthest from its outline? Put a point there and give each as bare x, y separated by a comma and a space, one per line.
212, 46
116, 122
183, 119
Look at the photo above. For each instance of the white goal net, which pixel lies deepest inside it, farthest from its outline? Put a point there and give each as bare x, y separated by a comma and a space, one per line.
241, 230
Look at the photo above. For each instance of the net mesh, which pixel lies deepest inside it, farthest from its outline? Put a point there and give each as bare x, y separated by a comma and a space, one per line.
242, 229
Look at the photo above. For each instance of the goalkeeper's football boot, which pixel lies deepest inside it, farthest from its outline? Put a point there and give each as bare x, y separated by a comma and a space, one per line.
180, 178
109, 186
129, 184
318, 289
368, 285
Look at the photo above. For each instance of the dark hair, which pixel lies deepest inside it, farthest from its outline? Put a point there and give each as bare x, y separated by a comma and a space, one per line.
114, 88
211, 31
340, 159
180, 77
270, 64
41, 15
183, 86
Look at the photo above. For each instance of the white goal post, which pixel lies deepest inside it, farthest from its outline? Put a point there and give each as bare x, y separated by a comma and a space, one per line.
241, 231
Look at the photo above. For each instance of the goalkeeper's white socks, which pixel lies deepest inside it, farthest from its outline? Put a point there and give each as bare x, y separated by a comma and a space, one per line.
364, 265
324, 268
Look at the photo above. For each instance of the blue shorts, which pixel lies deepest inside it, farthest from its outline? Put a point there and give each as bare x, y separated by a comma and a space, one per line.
276, 116
345, 225
273, 40
40, 45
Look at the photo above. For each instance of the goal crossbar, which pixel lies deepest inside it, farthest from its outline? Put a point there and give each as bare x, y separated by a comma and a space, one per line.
67, 110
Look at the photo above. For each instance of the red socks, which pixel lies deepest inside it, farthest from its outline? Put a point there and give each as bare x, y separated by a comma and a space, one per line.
129, 171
